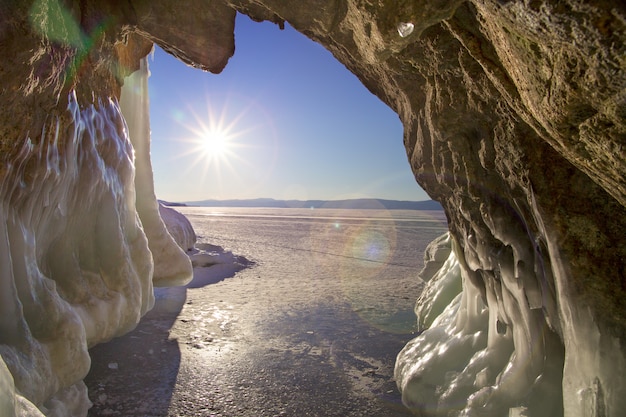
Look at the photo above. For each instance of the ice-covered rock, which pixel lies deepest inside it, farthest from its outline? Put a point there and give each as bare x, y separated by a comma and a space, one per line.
484, 353
178, 226
76, 267
213, 263
206, 255
513, 120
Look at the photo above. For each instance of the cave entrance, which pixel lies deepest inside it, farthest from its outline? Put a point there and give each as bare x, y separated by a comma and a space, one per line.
313, 328
301, 126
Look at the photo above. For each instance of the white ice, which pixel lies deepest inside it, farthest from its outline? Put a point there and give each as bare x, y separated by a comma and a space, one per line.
76, 267
213, 263
478, 356
171, 264
178, 227
503, 334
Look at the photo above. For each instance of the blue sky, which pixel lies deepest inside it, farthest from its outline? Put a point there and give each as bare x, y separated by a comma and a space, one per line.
299, 126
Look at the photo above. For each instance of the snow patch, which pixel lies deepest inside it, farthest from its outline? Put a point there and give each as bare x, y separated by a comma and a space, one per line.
213, 263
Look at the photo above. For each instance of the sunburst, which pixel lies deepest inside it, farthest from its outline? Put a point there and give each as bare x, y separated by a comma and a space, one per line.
216, 144
226, 142
214, 139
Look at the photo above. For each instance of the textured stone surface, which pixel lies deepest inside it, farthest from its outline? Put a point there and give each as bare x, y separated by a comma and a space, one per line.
514, 117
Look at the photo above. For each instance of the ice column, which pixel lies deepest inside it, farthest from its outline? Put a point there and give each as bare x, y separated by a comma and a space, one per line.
171, 265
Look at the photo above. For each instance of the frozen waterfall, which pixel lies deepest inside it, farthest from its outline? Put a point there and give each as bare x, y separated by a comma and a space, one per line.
76, 205
480, 343
171, 264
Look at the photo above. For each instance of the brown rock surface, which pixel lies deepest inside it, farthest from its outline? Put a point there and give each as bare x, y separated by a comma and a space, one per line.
514, 116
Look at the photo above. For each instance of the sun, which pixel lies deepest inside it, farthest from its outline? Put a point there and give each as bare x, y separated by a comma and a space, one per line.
223, 139
215, 144
213, 140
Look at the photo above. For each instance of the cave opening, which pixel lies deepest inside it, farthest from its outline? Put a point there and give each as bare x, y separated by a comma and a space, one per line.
322, 330
301, 126
470, 85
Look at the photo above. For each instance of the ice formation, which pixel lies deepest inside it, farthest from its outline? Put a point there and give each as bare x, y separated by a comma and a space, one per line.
76, 267
171, 264
405, 29
485, 350
443, 275
213, 263
491, 351
178, 226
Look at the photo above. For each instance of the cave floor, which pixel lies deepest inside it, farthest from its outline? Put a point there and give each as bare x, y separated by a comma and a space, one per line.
311, 329
232, 349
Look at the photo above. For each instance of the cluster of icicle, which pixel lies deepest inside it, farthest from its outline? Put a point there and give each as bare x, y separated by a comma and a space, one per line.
483, 352
77, 267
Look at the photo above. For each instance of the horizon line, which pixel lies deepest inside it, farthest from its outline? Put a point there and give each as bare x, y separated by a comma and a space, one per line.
353, 203
295, 199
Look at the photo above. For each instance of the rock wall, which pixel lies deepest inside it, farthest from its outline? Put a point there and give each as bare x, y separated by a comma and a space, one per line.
514, 120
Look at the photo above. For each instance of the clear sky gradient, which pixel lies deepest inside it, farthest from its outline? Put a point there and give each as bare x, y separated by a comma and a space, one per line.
299, 126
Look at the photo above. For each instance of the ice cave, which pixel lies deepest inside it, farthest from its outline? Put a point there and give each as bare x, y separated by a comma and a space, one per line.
514, 120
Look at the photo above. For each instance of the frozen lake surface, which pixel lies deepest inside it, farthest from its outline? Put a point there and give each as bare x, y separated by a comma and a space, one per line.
311, 329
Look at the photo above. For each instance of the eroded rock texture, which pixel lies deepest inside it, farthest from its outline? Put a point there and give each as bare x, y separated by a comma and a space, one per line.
515, 120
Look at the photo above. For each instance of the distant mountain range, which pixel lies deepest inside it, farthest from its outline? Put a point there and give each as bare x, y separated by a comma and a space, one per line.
359, 203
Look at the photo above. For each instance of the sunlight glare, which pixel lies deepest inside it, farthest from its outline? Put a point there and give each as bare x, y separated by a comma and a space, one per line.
222, 135
215, 144
214, 139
